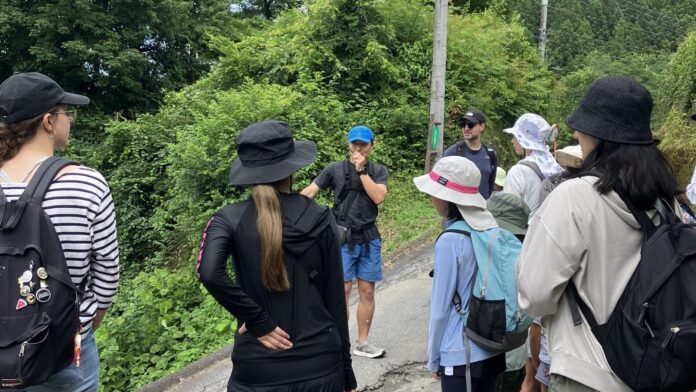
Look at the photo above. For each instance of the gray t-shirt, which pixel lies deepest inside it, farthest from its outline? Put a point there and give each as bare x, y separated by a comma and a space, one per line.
362, 211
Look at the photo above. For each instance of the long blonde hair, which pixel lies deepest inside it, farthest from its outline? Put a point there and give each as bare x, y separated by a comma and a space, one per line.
270, 228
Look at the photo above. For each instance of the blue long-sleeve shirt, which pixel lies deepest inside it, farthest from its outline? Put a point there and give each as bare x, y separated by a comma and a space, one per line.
455, 267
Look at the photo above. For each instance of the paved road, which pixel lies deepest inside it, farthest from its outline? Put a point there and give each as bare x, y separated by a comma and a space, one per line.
400, 325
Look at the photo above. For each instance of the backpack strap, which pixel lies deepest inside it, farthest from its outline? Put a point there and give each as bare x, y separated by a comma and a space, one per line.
577, 305
666, 213
492, 156
346, 186
35, 191
3, 198
533, 166
3, 206
456, 298
42, 179
460, 148
348, 195
647, 225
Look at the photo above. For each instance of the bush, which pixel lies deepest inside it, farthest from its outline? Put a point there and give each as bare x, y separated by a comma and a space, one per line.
163, 321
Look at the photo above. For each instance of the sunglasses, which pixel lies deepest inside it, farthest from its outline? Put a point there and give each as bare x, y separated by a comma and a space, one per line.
467, 124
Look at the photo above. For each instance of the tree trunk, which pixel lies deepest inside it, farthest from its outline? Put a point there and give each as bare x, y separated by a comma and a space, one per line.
267, 9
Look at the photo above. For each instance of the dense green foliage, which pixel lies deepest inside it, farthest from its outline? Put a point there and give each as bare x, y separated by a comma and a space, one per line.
340, 64
677, 99
324, 69
163, 321
590, 39
612, 27
175, 81
123, 54
266, 8
570, 88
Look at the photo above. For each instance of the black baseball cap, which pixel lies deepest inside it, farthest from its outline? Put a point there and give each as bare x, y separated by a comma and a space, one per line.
27, 95
474, 115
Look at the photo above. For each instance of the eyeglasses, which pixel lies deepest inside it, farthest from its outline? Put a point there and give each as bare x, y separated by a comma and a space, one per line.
467, 124
72, 114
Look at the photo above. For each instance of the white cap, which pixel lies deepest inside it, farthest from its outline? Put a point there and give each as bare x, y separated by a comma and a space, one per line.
456, 179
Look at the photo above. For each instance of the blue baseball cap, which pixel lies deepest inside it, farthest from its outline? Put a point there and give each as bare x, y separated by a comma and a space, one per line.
360, 133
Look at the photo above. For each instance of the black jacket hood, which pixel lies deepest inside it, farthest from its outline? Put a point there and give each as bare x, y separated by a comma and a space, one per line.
303, 222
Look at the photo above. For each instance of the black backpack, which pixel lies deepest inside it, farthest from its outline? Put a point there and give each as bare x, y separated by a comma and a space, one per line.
649, 339
39, 310
348, 193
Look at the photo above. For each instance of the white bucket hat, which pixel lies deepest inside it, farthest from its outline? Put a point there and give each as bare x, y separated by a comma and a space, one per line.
456, 179
531, 131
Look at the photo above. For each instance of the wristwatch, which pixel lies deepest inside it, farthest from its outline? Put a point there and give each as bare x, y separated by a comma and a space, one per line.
362, 172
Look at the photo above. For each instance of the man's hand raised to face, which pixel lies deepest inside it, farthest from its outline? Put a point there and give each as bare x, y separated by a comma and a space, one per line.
358, 159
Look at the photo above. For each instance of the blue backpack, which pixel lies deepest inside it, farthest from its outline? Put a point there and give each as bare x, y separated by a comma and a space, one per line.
494, 319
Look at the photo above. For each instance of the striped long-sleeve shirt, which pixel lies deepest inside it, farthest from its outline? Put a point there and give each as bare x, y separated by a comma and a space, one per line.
80, 205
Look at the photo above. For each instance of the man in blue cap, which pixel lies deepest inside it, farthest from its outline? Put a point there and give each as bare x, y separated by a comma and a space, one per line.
359, 186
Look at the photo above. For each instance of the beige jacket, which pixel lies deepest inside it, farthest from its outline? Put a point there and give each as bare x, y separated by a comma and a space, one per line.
594, 240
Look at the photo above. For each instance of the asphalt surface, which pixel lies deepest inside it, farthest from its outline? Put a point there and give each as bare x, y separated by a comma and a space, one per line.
400, 326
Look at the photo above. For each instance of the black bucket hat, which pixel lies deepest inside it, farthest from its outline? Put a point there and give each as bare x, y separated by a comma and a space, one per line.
26, 95
615, 109
266, 152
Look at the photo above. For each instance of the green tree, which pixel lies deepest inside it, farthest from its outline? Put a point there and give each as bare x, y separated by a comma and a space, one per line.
570, 88
121, 53
676, 102
615, 27
269, 9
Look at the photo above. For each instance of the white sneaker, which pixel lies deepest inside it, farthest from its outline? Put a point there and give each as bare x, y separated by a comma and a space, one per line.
368, 350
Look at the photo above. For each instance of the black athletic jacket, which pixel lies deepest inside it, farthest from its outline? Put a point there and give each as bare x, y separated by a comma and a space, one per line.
312, 313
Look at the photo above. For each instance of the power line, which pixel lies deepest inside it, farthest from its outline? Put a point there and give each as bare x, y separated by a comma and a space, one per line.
636, 17
568, 12
646, 9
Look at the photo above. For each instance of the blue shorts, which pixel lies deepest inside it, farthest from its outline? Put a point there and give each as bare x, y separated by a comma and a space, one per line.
364, 267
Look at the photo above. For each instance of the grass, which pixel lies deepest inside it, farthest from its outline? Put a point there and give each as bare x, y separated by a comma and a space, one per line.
405, 214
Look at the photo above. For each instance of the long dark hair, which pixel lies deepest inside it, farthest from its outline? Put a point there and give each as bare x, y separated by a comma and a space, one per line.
642, 173
453, 212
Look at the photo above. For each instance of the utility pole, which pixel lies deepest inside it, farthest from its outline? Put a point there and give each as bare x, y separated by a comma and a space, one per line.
437, 86
542, 29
